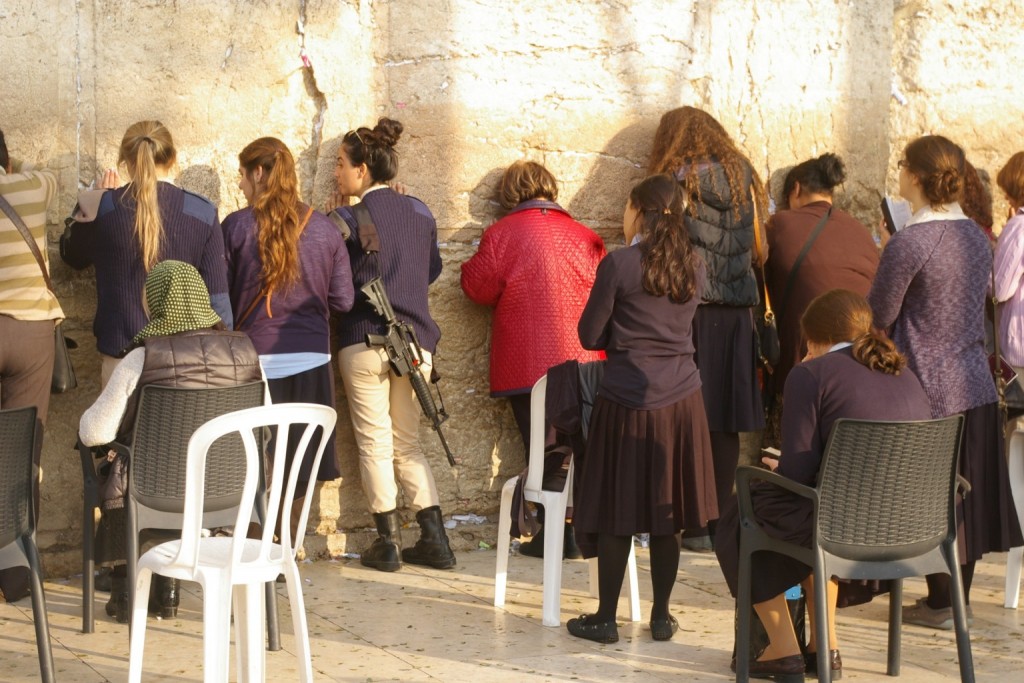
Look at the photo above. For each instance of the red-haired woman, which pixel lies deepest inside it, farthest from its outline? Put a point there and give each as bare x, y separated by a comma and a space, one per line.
288, 270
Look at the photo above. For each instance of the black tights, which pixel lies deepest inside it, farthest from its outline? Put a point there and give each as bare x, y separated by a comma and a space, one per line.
612, 558
938, 587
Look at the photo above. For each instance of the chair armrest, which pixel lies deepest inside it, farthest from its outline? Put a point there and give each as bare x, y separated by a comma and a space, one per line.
963, 485
746, 473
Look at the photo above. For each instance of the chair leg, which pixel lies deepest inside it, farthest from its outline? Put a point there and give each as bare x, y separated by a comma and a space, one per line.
633, 587
216, 629
132, 555
273, 621
299, 625
554, 536
895, 627
250, 655
1014, 559
821, 620
137, 627
88, 566
42, 625
504, 528
956, 594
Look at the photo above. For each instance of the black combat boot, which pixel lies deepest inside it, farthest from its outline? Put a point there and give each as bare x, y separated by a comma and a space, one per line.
164, 597
535, 546
118, 606
385, 553
432, 549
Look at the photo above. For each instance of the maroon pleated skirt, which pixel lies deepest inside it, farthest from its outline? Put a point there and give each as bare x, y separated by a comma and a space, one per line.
645, 470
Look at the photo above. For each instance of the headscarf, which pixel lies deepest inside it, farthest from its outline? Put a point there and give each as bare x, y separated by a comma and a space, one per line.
177, 299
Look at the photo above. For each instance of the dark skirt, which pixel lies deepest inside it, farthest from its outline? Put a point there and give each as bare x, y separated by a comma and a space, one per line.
989, 519
645, 470
726, 357
312, 386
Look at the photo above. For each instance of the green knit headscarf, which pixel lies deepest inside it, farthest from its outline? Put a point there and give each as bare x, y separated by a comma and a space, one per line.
177, 299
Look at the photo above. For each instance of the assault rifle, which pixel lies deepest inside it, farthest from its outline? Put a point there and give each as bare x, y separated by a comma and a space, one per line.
406, 356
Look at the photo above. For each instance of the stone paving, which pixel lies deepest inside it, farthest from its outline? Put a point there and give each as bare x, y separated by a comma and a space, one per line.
426, 625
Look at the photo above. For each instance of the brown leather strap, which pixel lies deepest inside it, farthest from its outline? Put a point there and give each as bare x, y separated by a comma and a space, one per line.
759, 245
259, 297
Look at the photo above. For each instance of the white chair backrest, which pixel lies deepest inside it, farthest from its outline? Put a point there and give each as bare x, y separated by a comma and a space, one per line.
282, 485
535, 458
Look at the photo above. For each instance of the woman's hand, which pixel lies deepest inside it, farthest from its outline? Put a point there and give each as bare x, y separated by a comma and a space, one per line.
335, 200
109, 180
398, 187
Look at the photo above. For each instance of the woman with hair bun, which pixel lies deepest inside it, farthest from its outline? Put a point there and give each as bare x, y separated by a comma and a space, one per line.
648, 465
138, 225
384, 410
288, 270
851, 371
930, 290
841, 253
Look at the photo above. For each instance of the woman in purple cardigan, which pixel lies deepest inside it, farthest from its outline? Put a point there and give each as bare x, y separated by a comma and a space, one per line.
930, 290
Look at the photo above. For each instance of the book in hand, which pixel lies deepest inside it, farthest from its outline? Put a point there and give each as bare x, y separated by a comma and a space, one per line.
896, 213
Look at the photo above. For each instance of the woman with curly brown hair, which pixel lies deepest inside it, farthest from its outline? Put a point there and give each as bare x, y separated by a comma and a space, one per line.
721, 189
288, 270
851, 371
930, 290
647, 467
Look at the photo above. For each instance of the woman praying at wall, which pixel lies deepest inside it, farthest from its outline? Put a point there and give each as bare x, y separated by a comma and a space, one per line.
930, 290
288, 270
721, 189
647, 467
138, 225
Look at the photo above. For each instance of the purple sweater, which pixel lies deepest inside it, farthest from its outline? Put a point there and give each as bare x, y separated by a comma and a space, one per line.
408, 262
300, 319
930, 288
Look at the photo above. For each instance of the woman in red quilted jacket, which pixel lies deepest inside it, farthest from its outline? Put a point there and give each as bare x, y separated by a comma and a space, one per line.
535, 266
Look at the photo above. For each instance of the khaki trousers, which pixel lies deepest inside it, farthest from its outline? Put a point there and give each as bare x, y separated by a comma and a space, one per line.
386, 419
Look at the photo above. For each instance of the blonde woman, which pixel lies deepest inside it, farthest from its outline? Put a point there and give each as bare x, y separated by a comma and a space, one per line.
137, 225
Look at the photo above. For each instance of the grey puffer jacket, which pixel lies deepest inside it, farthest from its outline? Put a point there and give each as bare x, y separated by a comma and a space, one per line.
724, 239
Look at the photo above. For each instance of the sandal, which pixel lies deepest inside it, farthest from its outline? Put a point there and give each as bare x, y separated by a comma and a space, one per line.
584, 626
664, 629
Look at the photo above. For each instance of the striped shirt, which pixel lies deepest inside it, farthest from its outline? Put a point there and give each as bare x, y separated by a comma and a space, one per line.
23, 292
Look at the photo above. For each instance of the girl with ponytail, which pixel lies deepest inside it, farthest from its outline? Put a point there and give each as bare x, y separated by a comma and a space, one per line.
136, 226
851, 371
288, 270
648, 467
930, 291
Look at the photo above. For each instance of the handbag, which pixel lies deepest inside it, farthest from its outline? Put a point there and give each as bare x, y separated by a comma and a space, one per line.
768, 347
1008, 386
64, 377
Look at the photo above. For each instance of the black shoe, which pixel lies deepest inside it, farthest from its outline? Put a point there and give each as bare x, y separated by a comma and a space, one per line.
164, 597
570, 551
783, 670
664, 629
836, 662
432, 549
15, 583
535, 546
118, 606
385, 553
584, 626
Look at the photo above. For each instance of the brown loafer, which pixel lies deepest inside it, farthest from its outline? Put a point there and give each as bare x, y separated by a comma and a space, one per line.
835, 662
784, 669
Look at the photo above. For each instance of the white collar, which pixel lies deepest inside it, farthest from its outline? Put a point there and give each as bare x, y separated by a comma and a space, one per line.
944, 212
371, 188
840, 346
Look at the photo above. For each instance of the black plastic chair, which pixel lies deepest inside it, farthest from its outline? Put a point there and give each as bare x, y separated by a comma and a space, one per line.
884, 508
18, 482
165, 421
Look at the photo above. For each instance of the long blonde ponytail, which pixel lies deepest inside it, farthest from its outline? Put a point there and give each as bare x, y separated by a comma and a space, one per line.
147, 145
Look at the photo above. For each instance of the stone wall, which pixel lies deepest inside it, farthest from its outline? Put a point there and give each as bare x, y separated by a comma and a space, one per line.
576, 84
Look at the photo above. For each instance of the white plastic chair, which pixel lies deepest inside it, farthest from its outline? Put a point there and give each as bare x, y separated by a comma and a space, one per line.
238, 567
555, 504
1015, 558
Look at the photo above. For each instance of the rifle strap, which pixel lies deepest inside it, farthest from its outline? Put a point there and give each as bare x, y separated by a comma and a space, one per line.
368, 237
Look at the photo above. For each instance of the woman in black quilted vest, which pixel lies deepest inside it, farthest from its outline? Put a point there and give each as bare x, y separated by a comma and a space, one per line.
721, 188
